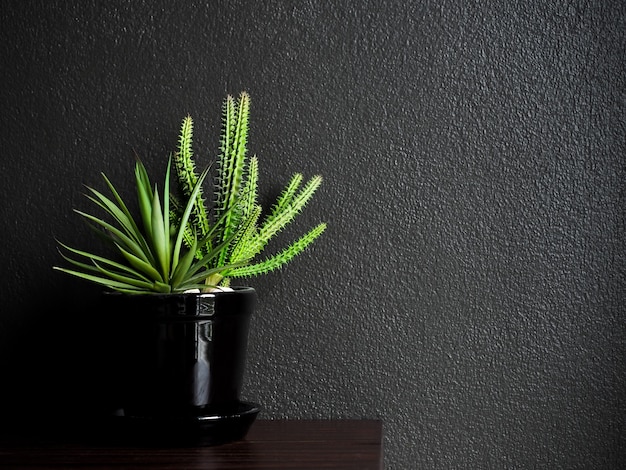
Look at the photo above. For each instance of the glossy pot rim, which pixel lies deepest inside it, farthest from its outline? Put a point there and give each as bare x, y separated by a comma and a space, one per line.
237, 290
189, 306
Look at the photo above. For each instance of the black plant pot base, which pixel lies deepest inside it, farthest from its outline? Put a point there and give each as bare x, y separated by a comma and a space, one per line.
176, 367
214, 427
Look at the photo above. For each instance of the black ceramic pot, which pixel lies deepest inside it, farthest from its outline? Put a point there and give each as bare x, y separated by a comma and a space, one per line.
180, 358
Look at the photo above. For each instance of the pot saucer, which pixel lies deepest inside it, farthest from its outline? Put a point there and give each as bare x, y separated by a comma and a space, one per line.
214, 427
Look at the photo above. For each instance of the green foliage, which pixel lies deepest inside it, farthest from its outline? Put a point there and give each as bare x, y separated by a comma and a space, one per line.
150, 254
184, 243
234, 226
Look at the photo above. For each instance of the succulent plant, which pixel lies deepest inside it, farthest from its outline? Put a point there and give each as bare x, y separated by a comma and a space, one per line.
182, 241
232, 222
150, 252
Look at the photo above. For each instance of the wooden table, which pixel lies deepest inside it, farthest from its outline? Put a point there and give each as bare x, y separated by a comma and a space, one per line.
270, 444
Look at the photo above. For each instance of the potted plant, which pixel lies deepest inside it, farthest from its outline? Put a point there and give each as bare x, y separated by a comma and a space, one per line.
181, 327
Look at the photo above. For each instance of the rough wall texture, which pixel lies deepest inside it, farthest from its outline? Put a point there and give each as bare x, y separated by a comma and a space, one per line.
470, 288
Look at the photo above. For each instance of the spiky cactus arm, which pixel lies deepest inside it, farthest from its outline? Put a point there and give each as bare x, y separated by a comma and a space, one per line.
280, 259
232, 161
249, 232
287, 195
249, 193
187, 180
288, 207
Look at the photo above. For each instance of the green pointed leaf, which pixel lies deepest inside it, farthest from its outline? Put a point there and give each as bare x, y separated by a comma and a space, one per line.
186, 214
139, 264
159, 237
182, 269
144, 196
102, 260
105, 281
120, 237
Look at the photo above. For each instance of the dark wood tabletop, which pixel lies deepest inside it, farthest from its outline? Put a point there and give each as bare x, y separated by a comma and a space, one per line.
270, 444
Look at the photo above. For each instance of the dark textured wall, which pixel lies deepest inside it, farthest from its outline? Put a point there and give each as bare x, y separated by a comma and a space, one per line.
470, 288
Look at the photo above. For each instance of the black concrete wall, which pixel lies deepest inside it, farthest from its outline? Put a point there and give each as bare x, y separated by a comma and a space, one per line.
470, 288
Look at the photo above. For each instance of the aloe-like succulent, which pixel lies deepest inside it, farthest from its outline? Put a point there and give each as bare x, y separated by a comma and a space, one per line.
151, 256
231, 223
